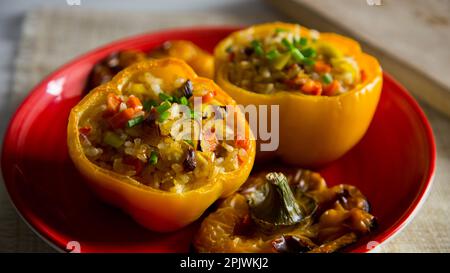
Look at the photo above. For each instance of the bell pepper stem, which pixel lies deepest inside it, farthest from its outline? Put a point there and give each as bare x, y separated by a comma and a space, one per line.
275, 205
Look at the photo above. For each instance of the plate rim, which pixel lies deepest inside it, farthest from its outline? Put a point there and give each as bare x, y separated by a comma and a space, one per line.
133, 40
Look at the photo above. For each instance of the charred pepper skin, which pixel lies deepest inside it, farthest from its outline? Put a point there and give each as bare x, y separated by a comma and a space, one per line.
314, 130
152, 208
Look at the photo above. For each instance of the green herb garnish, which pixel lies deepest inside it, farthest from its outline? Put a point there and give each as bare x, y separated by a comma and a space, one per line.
327, 78
255, 43
272, 54
163, 116
309, 52
303, 41
194, 115
297, 55
163, 107
165, 97
149, 104
135, 121
287, 44
153, 158
184, 101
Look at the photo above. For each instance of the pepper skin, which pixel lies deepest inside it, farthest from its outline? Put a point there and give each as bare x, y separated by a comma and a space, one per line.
313, 129
201, 61
153, 208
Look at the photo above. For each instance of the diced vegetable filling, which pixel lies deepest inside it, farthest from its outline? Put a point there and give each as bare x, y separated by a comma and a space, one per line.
159, 138
285, 61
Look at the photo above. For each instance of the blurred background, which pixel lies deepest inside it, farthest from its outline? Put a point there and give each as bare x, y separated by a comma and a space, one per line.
410, 37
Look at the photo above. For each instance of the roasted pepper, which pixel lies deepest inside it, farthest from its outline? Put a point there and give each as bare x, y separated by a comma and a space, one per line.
111, 139
107, 68
296, 212
320, 119
201, 61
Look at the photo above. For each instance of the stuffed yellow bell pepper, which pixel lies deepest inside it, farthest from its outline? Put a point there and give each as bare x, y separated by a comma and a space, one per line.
326, 87
160, 143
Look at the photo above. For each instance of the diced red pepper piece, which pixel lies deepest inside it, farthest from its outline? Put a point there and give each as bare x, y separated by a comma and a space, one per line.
294, 83
120, 119
312, 88
86, 130
112, 104
134, 102
242, 143
231, 56
209, 141
208, 97
331, 89
322, 67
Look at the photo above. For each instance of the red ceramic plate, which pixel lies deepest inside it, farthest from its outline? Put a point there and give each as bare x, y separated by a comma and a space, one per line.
393, 165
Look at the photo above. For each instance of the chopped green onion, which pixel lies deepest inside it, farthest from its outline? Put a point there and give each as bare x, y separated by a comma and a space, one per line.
273, 54
229, 49
303, 41
255, 43
112, 139
298, 56
287, 44
280, 62
163, 107
176, 100
165, 97
149, 104
194, 115
184, 101
308, 61
135, 121
163, 116
309, 52
259, 51
327, 78
188, 141
153, 158
257, 46
279, 30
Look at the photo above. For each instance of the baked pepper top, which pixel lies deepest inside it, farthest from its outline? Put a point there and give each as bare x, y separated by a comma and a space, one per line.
159, 128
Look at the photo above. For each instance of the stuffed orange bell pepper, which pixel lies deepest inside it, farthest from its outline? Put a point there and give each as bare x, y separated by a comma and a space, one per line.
327, 89
160, 143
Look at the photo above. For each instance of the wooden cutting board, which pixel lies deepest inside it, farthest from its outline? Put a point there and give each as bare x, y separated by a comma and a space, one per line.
411, 38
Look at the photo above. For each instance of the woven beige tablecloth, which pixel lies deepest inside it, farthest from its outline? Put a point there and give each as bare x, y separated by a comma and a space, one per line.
52, 37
